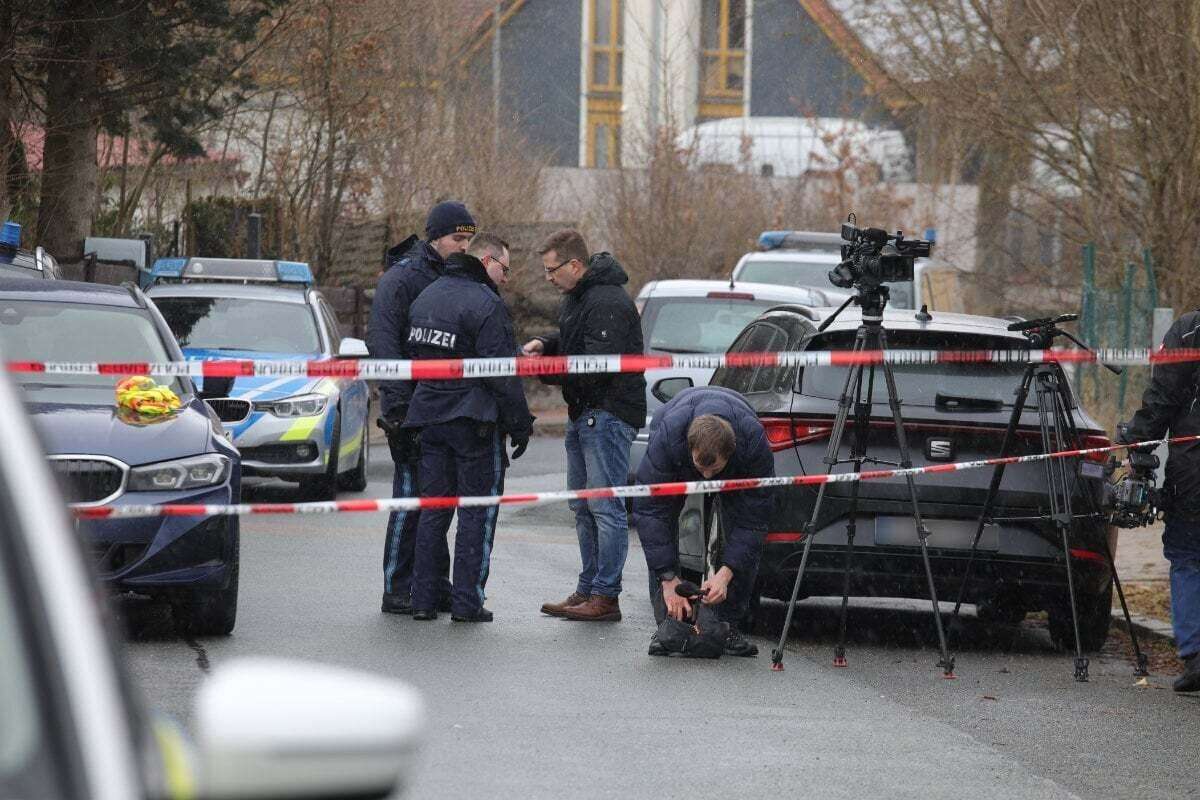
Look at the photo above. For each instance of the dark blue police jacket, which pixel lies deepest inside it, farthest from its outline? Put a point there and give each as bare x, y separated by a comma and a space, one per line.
668, 458
412, 266
461, 315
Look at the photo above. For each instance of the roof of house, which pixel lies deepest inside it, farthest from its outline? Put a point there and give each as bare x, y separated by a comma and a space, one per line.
841, 21
111, 152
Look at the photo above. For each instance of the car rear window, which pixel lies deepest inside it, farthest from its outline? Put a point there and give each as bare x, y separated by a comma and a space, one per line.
37, 330
812, 273
234, 323
921, 384
697, 324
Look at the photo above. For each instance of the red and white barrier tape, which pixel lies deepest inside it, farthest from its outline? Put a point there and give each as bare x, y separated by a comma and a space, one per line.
540, 498
454, 369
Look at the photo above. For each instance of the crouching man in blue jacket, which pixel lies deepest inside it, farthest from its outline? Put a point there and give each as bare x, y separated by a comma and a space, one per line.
463, 423
706, 433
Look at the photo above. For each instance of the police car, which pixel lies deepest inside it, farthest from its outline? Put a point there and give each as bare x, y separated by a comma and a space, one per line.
15, 262
310, 430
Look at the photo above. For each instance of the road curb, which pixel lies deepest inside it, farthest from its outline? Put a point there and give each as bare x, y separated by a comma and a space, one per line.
1147, 626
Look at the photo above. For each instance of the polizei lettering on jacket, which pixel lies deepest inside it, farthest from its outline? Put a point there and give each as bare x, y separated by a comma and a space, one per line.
432, 337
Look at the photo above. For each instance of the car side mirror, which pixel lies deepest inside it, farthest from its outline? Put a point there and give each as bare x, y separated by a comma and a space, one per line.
270, 727
352, 348
667, 388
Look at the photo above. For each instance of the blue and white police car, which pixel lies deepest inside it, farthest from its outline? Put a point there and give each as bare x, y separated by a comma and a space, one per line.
310, 430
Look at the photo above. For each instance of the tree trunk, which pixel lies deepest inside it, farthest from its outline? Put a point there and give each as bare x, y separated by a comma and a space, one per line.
69, 171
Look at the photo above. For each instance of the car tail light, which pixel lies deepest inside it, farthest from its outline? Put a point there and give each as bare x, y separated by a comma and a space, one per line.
730, 296
1086, 442
783, 433
781, 537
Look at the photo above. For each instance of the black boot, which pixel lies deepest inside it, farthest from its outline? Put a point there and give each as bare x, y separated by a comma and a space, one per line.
482, 615
738, 645
1189, 681
396, 604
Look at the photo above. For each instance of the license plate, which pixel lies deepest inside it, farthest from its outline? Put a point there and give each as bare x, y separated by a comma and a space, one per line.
951, 533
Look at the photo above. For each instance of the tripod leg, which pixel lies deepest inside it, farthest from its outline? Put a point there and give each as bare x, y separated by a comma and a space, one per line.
853, 378
858, 451
1060, 499
1010, 434
997, 476
1141, 662
947, 662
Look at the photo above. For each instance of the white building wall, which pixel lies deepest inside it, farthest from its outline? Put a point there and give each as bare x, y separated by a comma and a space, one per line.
661, 72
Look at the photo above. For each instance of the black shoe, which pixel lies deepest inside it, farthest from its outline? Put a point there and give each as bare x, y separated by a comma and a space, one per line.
1189, 681
656, 648
396, 604
482, 615
738, 645
424, 614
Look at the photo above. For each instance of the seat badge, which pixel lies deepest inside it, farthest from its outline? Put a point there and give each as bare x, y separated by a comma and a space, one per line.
939, 449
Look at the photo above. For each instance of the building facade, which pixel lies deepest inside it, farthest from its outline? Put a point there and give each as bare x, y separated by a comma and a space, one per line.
591, 82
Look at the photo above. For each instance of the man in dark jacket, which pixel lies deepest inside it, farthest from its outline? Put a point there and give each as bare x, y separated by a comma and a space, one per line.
1169, 404
705, 433
463, 423
412, 266
597, 317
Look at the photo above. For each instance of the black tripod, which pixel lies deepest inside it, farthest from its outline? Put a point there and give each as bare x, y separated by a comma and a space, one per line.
1058, 432
871, 336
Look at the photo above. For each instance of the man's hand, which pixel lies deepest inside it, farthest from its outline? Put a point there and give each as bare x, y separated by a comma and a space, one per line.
534, 347
519, 442
717, 586
677, 607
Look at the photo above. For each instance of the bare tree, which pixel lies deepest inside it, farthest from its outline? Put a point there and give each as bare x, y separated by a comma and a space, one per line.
1078, 115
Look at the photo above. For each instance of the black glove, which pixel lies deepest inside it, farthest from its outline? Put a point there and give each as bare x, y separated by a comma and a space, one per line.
403, 442
519, 442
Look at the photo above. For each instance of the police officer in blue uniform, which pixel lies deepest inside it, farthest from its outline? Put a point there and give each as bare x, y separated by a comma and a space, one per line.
412, 266
463, 423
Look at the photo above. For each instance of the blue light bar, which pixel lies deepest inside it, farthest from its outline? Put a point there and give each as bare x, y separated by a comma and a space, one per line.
771, 240
168, 268
10, 234
293, 272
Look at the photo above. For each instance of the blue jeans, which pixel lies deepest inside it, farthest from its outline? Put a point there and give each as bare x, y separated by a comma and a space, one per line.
598, 455
1181, 546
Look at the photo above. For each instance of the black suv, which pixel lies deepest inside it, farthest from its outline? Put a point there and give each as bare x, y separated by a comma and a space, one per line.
952, 412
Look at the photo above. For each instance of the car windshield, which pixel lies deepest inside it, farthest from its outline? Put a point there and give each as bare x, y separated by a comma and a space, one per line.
788, 273
235, 323
697, 324
948, 386
813, 273
38, 330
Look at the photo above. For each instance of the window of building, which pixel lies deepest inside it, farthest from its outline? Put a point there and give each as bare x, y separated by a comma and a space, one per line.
722, 58
605, 51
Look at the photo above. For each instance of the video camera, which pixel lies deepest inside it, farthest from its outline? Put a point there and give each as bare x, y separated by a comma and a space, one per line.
872, 256
1133, 501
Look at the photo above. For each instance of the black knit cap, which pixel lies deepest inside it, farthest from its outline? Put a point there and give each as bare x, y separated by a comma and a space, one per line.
447, 218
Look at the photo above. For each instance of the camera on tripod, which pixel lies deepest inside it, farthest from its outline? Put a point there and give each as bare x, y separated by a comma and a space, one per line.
872, 256
1133, 501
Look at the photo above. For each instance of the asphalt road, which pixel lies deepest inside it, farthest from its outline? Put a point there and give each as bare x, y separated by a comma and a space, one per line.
529, 706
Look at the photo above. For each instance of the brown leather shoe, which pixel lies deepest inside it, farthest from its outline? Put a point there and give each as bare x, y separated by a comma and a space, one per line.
598, 608
557, 609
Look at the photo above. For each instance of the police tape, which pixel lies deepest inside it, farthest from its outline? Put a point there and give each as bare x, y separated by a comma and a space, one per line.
533, 366
542, 498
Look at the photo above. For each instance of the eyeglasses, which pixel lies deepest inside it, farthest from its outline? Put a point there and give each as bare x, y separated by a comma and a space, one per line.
553, 270
504, 267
